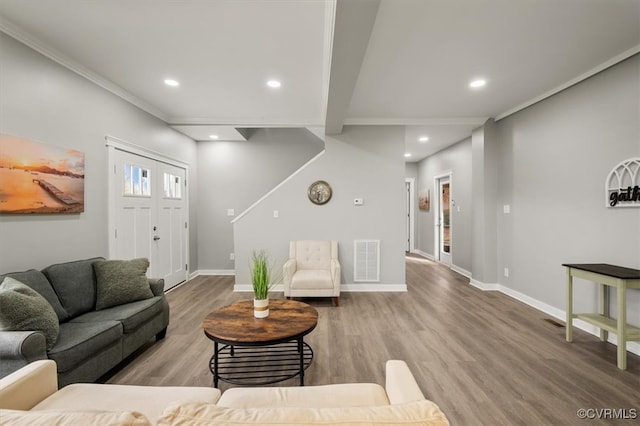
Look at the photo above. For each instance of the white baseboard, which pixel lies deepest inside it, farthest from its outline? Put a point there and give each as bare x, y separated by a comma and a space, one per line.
423, 254
345, 288
430, 257
461, 271
484, 286
212, 272
633, 347
368, 287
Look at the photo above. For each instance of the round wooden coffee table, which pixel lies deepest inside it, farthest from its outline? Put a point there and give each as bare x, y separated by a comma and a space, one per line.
259, 351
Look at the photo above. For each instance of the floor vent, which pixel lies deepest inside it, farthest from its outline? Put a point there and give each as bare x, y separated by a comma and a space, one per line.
366, 260
554, 322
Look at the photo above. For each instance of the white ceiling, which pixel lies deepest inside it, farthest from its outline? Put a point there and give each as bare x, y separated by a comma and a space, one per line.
398, 62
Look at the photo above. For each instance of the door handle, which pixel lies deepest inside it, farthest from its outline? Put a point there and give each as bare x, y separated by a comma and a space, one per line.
156, 238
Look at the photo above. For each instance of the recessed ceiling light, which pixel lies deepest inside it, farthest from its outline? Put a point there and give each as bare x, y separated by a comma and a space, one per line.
475, 84
171, 82
423, 138
408, 154
213, 136
274, 83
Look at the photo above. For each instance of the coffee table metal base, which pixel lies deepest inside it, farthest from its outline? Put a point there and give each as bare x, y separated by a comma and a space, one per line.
260, 365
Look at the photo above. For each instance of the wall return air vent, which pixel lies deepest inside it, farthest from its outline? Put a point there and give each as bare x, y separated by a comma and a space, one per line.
366, 260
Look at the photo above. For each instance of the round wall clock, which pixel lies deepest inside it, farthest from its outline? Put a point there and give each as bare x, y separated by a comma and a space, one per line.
319, 192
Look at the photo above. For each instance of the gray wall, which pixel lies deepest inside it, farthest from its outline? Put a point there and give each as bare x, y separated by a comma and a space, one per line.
457, 160
233, 175
411, 170
363, 162
554, 159
484, 226
551, 160
45, 102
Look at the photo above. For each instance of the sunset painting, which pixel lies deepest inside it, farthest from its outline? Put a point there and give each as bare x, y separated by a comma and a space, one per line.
39, 178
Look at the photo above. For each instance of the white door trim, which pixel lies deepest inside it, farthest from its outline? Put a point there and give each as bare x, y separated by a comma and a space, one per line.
113, 143
412, 223
436, 199
132, 148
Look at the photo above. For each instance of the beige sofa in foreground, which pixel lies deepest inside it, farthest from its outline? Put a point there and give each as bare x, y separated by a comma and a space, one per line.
30, 396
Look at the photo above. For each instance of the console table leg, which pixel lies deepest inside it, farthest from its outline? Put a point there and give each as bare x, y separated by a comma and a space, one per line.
622, 324
569, 322
604, 309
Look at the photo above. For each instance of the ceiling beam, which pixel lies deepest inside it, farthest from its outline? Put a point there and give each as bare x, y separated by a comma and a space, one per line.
354, 21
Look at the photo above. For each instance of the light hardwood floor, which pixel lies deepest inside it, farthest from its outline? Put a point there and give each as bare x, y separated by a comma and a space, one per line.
484, 358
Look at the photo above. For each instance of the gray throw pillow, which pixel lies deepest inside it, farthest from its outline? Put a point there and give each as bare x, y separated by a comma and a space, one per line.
24, 309
121, 281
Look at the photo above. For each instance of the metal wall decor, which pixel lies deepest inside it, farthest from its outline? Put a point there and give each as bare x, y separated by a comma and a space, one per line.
319, 192
622, 187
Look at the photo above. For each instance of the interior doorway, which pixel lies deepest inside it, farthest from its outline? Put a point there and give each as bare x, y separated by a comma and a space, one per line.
410, 221
443, 223
148, 214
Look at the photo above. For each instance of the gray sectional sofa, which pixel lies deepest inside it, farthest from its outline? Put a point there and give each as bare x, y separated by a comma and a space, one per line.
90, 342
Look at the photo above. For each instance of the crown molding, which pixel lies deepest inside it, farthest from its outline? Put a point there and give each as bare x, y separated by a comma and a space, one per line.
55, 55
406, 121
242, 122
598, 69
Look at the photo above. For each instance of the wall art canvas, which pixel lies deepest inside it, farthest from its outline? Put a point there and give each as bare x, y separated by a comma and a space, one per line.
423, 199
38, 178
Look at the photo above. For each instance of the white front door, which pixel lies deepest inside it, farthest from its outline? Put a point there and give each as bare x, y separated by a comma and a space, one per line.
149, 215
171, 262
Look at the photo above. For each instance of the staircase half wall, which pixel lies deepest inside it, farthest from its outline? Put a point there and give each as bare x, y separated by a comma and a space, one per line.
365, 162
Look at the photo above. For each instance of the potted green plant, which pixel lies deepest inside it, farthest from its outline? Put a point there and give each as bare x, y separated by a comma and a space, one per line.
261, 279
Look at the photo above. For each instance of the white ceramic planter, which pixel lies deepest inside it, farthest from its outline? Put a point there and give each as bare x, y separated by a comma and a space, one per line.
260, 308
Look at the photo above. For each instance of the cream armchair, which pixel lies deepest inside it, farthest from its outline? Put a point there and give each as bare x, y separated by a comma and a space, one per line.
312, 270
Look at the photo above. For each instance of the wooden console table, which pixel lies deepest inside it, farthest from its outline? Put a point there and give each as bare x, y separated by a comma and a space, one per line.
606, 276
